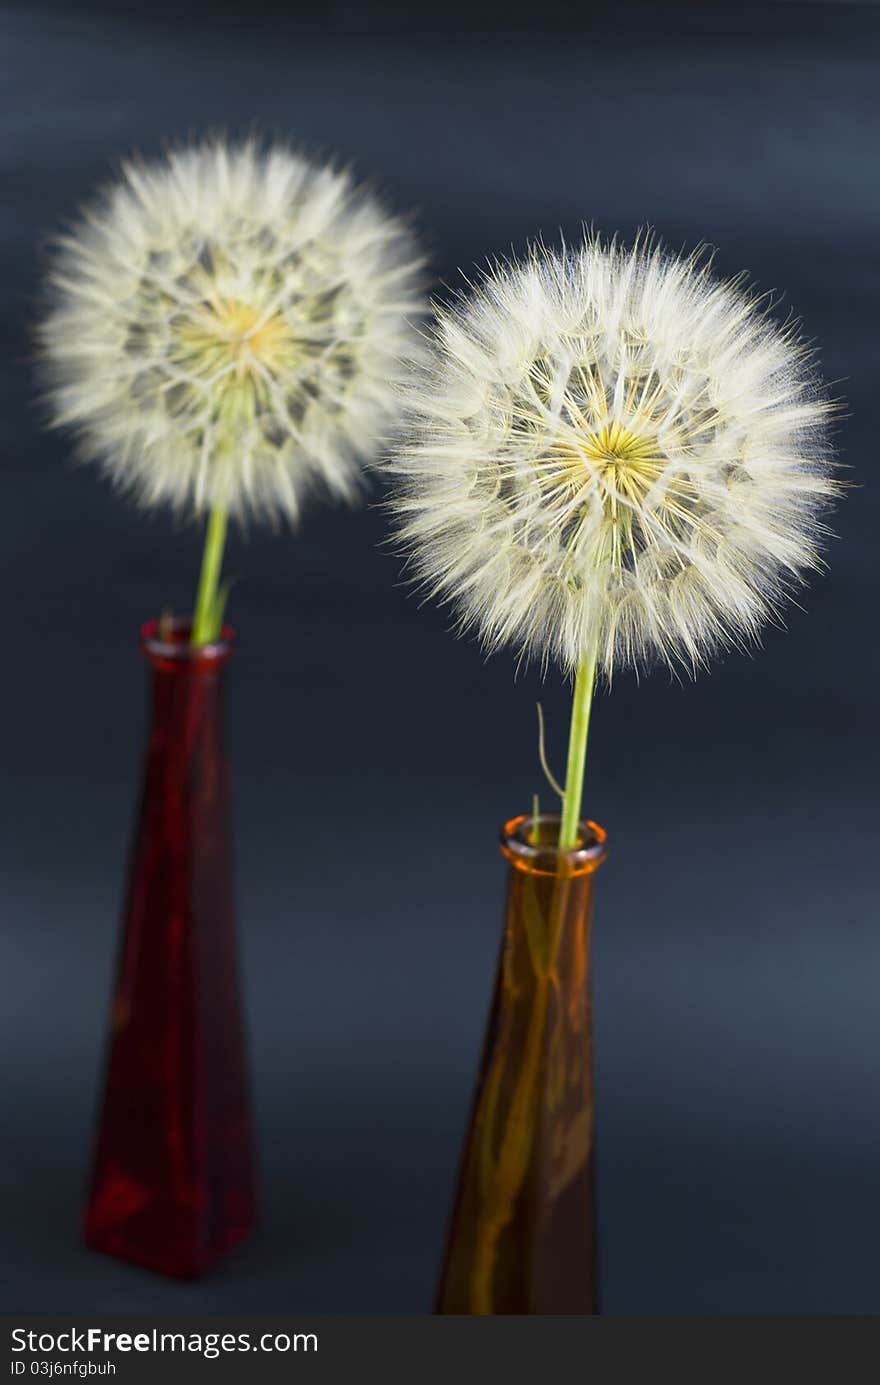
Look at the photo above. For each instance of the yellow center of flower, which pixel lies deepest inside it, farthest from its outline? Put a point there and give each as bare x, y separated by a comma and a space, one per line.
623, 466
626, 464
624, 460
233, 342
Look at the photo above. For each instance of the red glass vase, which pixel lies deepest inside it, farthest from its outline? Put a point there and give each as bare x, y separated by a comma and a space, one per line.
173, 1182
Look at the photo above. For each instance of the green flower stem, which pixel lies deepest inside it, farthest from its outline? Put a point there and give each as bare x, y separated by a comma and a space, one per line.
577, 751
207, 621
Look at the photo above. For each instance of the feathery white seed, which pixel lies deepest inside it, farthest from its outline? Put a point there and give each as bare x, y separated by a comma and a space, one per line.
612, 446
228, 326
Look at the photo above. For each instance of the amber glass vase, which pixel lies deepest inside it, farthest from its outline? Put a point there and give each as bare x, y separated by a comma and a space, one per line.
522, 1238
172, 1185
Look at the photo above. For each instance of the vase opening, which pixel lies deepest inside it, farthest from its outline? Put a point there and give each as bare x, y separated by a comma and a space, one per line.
531, 844
167, 643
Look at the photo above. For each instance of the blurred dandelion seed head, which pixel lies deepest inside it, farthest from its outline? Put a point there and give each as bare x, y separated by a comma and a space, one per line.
228, 326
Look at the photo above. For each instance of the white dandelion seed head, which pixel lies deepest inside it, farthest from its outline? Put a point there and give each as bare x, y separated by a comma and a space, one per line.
228, 327
612, 448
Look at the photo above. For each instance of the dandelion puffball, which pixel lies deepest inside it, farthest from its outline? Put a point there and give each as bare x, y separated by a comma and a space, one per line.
227, 328
612, 455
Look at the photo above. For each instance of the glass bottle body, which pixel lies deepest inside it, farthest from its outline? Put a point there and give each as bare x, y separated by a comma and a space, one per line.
172, 1183
522, 1237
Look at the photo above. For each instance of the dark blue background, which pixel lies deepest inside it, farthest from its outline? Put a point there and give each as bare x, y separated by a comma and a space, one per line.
737, 961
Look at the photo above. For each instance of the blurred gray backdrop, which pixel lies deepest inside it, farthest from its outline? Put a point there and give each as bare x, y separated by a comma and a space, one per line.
737, 960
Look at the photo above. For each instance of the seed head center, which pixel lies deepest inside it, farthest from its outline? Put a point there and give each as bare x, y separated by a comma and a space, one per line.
620, 460
238, 338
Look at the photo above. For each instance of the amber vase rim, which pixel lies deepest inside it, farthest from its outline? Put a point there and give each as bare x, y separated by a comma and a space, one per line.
172, 648
542, 856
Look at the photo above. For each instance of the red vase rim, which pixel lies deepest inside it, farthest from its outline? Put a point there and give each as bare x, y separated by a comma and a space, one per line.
543, 857
172, 647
